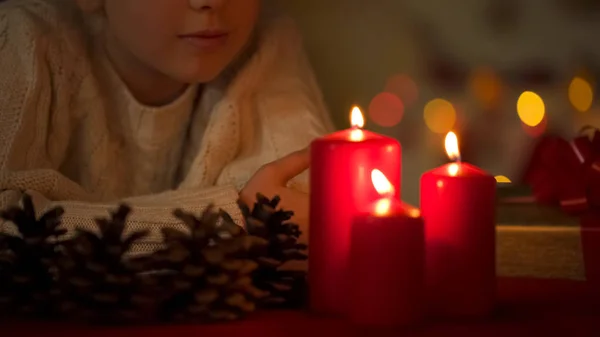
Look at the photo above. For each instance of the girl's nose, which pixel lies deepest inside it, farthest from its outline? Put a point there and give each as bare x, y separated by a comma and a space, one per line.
206, 4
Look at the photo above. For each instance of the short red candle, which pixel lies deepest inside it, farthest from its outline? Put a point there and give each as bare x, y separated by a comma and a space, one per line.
387, 261
458, 207
340, 182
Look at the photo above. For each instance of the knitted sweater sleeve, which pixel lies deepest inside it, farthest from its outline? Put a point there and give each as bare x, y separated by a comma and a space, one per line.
290, 102
35, 136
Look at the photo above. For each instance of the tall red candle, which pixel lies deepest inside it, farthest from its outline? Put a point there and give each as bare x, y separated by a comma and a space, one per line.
387, 261
458, 207
341, 164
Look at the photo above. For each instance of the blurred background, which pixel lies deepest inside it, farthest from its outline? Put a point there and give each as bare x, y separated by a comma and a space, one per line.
501, 73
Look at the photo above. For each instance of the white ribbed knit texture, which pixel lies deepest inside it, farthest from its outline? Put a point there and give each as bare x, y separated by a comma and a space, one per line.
71, 133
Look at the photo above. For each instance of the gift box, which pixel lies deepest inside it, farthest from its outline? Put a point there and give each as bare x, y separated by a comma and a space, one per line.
537, 240
549, 224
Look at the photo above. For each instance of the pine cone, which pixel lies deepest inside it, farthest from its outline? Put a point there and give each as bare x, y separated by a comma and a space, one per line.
287, 288
209, 269
26, 279
99, 283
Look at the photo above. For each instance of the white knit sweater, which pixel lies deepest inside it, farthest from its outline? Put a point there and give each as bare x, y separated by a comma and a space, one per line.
72, 134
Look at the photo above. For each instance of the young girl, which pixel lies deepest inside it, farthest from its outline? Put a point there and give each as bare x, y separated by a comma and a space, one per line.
160, 103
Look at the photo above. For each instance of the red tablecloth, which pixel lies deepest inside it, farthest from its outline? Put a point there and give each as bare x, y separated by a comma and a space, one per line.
526, 308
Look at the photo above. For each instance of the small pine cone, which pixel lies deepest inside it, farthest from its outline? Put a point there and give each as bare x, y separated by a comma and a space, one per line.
265, 220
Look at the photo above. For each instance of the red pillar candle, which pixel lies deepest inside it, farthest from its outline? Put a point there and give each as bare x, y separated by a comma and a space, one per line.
387, 258
458, 207
341, 164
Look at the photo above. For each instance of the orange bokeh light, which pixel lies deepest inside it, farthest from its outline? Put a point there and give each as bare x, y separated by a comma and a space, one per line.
403, 87
386, 109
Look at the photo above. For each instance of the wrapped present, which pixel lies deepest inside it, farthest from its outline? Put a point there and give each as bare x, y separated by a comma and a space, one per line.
537, 240
552, 227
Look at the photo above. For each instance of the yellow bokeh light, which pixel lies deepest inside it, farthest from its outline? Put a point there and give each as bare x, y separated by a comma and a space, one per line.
503, 179
581, 94
530, 108
440, 115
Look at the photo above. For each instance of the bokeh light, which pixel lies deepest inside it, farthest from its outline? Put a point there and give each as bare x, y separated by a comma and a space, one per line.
530, 108
538, 130
503, 180
440, 116
386, 109
486, 86
404, 87
581, 94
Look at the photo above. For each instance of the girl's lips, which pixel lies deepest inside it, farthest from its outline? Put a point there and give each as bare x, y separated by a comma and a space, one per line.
206, 40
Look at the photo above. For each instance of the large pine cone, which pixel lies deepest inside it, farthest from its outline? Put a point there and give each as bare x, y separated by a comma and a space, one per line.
99, 282
208, 268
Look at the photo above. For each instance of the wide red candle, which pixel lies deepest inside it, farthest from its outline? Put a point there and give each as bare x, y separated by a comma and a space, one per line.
340, 182
458, 207
387, 260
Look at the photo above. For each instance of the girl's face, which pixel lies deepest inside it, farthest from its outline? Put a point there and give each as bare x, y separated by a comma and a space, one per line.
186, 40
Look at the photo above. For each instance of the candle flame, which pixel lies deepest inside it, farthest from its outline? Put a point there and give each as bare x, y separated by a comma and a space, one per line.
356, 118
452, 146
382, 184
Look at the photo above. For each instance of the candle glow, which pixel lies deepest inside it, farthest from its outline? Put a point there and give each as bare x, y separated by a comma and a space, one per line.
458, 205
342, 190
358, 122
382, 184
385, 189
453, 152
451, 143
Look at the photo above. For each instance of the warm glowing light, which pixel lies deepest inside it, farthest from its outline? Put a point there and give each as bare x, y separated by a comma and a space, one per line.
356, 118
530, 108
503, 180
415, 213
440, 115
383, 206
403, 87
581, 94
386, 110
451, 144
382, 184
453, 169
486, 86
356, 135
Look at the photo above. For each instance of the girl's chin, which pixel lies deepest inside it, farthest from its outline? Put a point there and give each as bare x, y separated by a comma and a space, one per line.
199, 75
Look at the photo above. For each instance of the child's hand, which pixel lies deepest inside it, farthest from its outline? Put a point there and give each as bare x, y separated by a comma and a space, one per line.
271, 180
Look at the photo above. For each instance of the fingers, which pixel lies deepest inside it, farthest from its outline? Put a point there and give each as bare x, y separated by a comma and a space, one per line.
294, 201
291, 165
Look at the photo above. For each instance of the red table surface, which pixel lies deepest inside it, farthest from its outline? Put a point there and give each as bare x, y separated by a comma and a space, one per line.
525, 308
